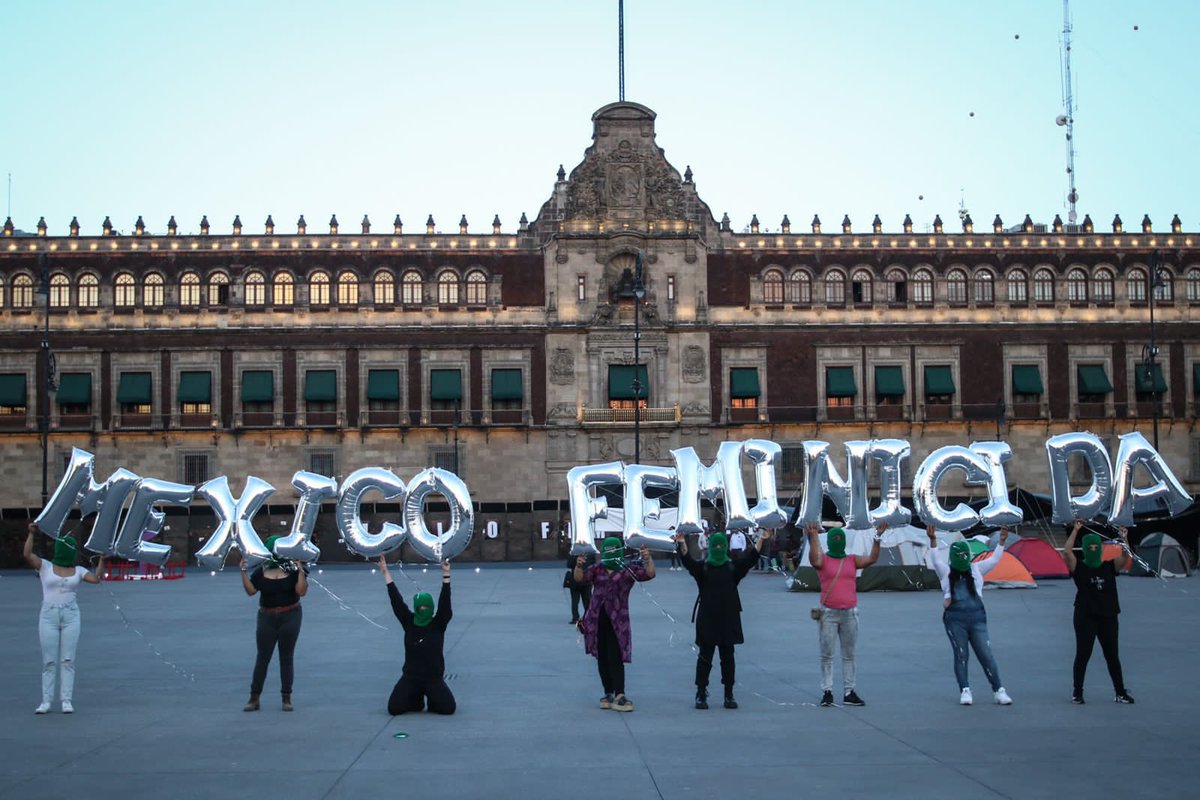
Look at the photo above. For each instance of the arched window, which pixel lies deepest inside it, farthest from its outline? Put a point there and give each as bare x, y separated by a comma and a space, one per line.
1135, 285
347, 289
476, 288
60, 291
860, 286
22, 292
1102, 286
89, 291
189, 290
1043, 286
255, 289
1192, 285
835, 288
922, 285
896, 285
956, 287
447, 289
985, 288
1164, 287
318, 289
385, 288
283, 290
152, 291
125, 293
218, 290
800, 287
410, 288
1018, 287
1077, 286
773, 287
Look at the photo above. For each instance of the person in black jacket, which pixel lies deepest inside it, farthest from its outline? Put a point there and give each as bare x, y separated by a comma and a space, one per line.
581, 593
423, 677
719, 608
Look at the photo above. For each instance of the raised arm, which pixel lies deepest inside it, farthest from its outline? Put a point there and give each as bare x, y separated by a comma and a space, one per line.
940, 565
1069, 547
399, 608
1126, 560
444, 612
815, 557
301, 579
98, 575
868, 560
647, 563
31, 559
991, 561
247, 584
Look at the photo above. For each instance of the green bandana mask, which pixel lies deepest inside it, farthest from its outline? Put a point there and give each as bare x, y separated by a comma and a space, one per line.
960, 557
612, 553
64, 552
718, 549
1093, 551
835, 540
422, 609
274, 562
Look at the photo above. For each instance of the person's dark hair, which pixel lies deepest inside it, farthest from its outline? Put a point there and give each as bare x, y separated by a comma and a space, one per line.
956, 576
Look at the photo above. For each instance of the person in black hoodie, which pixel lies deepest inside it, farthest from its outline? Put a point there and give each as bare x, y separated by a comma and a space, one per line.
423, 677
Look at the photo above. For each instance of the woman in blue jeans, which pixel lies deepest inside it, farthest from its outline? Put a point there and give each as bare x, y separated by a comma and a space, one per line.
964, 616
58, 624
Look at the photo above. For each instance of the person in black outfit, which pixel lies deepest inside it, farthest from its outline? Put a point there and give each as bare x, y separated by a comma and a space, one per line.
1096, 608
280, 585
424, 674
718, 608
581, 593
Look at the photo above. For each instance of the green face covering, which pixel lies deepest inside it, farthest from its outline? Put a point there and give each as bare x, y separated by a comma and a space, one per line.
274, 562
1093, 550
718, 549
960, 557
64, 552
422, 608
612, 553
835, 540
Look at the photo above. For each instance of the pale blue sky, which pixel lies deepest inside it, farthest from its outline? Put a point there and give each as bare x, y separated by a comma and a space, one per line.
856, 107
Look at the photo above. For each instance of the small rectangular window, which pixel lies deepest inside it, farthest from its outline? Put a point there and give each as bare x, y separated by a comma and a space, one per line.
581, 288
322, 462
195, 468
670, 288
446, 458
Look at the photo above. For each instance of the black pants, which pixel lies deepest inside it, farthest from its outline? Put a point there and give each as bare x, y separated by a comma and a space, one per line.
580, 594
276, 629
410, 694
608, 657
704, 664
1089, 628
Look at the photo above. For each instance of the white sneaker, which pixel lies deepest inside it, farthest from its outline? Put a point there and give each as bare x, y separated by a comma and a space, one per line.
965, 698
44, 708
67, 707
1002, 697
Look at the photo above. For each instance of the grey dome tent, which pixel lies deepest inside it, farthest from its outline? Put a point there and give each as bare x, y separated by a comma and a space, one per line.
1164, 555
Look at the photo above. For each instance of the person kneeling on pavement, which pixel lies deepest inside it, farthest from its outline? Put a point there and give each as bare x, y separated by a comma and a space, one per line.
424, 675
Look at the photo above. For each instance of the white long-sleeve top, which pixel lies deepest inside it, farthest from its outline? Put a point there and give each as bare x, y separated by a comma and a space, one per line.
941, 565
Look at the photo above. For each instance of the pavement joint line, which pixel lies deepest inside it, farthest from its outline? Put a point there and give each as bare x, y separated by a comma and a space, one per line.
645, 765
367, 746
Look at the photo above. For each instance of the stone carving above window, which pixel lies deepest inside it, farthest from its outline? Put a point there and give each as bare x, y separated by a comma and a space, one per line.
562, 367
695, 364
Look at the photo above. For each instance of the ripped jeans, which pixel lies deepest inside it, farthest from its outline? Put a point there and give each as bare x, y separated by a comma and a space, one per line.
58, 630
966, 623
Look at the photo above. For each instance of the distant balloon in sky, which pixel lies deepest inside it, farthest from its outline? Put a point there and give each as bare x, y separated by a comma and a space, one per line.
1135, 27
972, 113
920, 197
1017, 36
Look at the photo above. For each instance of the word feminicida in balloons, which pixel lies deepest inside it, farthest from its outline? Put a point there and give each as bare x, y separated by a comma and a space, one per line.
1112, 494
126, 532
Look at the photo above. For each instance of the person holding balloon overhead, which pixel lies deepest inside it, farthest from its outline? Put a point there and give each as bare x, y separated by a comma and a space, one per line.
606, 631
1096, 608
423, 677
280, 584
718, 612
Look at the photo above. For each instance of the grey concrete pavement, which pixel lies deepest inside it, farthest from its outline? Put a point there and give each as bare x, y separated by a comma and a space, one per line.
164, 668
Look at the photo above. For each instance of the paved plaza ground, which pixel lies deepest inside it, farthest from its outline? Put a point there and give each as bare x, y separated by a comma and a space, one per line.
164, 668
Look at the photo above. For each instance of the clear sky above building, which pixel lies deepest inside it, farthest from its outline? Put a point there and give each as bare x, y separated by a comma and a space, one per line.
858, 107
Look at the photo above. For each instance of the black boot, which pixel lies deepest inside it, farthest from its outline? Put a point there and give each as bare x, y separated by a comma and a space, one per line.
701, 697
252, 703
729, 701
287, 702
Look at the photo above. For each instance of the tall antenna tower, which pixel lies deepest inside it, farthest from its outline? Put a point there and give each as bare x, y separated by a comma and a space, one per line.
1067, 118
621, 50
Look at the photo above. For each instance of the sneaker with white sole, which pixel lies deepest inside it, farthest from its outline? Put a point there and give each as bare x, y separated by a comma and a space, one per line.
1002, 698
44, 708
1123, 697
622, 703
965, 698
67, 707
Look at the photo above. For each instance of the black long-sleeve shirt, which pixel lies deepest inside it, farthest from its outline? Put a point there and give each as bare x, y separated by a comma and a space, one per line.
423, 657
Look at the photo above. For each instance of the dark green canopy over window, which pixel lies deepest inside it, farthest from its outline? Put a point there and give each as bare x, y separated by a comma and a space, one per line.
889, 381
320, 386
445, 384
1150, 380
1196, 379
195, 387
620, 381
134, 388
839, 382
743, 382
1092, 379
939, 380
75, 388
383, 384
1026, 379
258, 386
506, 384
12, 389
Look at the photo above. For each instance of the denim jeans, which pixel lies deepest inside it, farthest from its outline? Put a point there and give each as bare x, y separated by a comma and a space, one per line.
838, 625
58, 630
966, 623
276, 629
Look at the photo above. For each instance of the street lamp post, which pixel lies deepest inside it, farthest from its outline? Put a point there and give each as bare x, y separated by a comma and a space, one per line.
1155, 280
47, 382
639, 292
456, 402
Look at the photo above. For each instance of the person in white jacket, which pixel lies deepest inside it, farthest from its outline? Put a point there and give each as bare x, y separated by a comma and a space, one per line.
964, 615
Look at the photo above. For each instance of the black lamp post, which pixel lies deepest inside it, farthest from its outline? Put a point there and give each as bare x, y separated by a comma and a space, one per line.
456, 402
47, 364
639, 292
1155, 280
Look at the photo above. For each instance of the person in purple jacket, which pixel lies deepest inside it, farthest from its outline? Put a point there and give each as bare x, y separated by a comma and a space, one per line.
605, 626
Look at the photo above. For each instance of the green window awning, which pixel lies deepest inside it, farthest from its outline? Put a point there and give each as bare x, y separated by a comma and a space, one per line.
445, 384
320, 386
1149, 380
1092, 379
195, 387
889, 381
506, 385
134, 389
839, 382
258, 386
12, 389
620, 381
75, 388
743, 382
1027, 379
939, 380
383, 384
1196, 379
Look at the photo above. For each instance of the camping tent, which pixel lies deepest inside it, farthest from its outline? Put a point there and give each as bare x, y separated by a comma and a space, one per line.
1042, 560
1008, 574
1163, 555
903, 564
